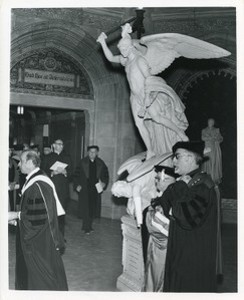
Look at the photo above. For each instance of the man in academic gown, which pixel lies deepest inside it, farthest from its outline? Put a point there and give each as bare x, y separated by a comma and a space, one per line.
60, 176
38, 236
191, 205
90, 179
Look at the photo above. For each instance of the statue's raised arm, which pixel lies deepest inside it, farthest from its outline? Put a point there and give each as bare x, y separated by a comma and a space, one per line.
157, 110
109, 55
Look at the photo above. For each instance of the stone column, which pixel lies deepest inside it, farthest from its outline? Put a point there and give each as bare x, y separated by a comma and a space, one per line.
132, 278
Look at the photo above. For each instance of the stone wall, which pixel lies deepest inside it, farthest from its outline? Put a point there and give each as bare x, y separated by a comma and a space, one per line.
110, 122
74, 32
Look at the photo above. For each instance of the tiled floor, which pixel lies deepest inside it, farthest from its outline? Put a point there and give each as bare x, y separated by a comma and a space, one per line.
93, 262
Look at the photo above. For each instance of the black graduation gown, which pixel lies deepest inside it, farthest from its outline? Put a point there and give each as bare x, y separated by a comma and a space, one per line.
40, 238
21, 275
192, 242
60, 181
13, 176
81, 177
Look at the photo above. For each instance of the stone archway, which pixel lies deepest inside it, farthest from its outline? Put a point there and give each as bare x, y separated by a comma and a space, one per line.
208, 88
213, 94
109, 89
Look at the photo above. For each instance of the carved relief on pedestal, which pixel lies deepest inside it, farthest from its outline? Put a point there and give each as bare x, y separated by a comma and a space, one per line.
132, 278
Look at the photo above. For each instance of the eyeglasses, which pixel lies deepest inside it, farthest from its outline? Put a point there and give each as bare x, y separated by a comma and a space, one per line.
60, 144
166, 178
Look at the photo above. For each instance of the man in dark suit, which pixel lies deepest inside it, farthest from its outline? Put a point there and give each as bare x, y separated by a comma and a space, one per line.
60, 176
90, 179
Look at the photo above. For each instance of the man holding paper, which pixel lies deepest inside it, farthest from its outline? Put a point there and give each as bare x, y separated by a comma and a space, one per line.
57, 165
90, 180
39, 265
158, 227
193, 258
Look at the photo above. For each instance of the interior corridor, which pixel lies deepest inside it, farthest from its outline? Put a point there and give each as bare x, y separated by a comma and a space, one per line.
93, 262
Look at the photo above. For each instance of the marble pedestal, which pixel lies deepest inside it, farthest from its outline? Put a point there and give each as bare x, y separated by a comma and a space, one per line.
132, 278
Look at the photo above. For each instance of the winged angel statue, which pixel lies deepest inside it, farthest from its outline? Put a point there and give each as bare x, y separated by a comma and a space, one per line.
157, 110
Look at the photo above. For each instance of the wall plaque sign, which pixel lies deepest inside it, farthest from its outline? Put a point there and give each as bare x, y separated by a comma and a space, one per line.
50, 71
47, 77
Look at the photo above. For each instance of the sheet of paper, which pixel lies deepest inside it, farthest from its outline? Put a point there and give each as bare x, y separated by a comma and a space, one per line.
58, 164
99, 187
162, 218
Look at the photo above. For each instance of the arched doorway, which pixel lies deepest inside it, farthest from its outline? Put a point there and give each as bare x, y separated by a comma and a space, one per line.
213, 94
50, 72
103, 109
40, 126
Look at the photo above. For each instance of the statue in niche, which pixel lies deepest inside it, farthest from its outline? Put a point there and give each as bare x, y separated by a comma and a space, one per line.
157, 110
212, 138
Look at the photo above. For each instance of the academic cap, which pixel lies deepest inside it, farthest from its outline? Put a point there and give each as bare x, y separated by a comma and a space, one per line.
192, 146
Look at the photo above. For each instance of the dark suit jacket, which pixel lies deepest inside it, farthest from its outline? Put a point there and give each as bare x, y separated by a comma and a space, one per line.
82, 172
81, 176
60, 181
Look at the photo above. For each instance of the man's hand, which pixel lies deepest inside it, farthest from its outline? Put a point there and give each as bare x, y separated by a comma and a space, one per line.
12, 186
12, 215
102, 37
13, 222
79, 188
102, 184
159, 208
63, 171
59, 171
155, 202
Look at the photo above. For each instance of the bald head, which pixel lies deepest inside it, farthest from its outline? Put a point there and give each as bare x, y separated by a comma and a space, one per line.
29, 161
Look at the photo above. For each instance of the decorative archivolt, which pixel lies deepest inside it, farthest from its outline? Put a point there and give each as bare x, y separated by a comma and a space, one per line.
50, 71
187, 83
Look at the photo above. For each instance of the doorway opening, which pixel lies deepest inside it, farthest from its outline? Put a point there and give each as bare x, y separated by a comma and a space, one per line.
213, 95
41, 126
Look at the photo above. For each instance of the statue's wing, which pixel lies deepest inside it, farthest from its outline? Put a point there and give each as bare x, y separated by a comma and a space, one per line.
147, 166
164, 48
132, 162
